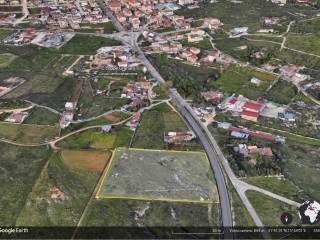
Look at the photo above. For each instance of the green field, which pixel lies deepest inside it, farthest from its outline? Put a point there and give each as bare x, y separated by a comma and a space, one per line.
96, 139
237, 80
4, 33
152, 213
282, 92
42, 116
25, 133
157, 122
204, 44
42, 68
73, 173
307, 43
277, 185
20, 167
270, 210
6, 59
170, 177
86, 45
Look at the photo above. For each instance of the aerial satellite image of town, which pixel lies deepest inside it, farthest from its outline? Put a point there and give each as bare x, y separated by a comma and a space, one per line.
160, 119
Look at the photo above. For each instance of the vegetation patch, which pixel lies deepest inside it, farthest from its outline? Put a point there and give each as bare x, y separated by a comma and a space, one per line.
42, 116
6, 59
170, 177
24, 133
20, 167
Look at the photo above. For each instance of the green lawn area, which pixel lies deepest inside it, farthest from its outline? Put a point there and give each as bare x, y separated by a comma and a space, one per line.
282, 92
4, 33
154, 213
96, 139
270, 210
303, 27
42, 116
307, 43
237, 80
20, 167
279, 186
157, 122
265, 38
75, 177
24, 133
87, 45
6, 59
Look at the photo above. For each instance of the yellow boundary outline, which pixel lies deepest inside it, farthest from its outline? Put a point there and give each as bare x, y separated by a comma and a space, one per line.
105, 174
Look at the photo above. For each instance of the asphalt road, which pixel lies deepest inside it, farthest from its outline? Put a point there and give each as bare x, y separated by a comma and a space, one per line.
130, 38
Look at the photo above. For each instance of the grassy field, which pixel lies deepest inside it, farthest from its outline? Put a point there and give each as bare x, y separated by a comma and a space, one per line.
282, 92
86, 45
237, 80
307, 43
246, 13
171, 176
96, 139
4, 33
42, 116
6, 59
204, 44
92, 106
73, 173
157, 122
42, 68
277, 185
270, 210
24, 133
19, 167
303, 27
153, 213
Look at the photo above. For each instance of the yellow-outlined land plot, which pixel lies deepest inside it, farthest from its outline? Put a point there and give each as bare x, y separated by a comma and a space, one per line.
106, 173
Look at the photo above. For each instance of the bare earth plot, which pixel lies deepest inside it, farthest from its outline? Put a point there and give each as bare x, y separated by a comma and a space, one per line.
159, 175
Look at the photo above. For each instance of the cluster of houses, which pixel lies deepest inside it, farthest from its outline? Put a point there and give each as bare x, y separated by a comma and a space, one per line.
246, 150
68, 14
137, 90
21, 37
107, 57
67, 115
244, 133
157, 14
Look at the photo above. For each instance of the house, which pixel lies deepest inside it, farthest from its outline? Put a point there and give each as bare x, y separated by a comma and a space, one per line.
106, 128
177, 137
239, 30
253, 107
224, 125
212, 23
123, 64
134, 121
69, 106
255, 81
212, 96
115, 6
192, 58
287, 116
265, 151
239, 135
251, 116
195, 50
213, 56
17, 117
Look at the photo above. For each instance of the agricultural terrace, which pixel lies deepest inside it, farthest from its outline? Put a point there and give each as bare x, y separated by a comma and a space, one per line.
171, 176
